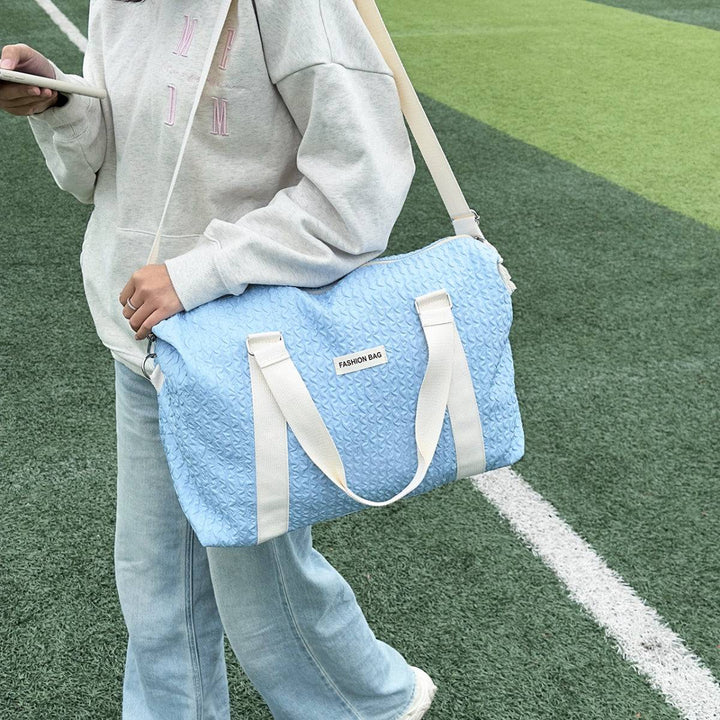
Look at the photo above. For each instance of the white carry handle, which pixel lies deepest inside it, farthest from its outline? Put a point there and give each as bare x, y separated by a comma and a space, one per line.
463, 218
267, 352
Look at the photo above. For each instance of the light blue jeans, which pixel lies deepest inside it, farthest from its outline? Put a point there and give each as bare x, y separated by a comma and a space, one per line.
291, 619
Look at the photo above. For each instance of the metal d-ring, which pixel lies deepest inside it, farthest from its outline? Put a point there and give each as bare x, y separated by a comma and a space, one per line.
151, 339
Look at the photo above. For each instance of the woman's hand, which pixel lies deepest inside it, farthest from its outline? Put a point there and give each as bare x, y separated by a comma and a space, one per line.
151, 292
20, 99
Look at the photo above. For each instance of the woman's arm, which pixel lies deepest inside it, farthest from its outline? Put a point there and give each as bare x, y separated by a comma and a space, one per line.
72, 137
22, 100
357, 167
355, 158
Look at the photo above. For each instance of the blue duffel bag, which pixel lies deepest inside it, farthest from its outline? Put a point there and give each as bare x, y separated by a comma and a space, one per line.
393, 380
283, 407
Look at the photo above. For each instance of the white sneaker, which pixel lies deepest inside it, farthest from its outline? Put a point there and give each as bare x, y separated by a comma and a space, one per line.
422, 699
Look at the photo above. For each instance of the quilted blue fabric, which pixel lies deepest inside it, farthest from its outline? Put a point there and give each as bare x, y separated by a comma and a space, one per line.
205, 402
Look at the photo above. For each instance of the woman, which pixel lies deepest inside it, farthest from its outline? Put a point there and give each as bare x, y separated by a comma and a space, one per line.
296, 170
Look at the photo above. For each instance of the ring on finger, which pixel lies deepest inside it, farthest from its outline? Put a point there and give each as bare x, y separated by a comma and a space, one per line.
132, 307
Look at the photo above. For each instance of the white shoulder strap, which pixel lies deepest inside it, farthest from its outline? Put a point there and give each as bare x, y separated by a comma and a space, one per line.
463, 218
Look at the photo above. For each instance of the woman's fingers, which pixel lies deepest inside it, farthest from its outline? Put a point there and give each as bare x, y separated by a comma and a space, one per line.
151, 292
14, 55
20, 99
25, 59
127, 293
10, 91
28, 105
127, 311
148, 323
144, 318
138, 317
26, 98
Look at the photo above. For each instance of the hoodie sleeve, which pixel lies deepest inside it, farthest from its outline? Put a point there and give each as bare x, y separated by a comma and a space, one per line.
73, 137
355, 159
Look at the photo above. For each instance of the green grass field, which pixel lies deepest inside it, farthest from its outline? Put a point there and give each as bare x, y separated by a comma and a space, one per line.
587, 136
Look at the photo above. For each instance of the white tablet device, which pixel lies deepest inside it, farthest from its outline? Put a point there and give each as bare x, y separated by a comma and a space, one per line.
62, 86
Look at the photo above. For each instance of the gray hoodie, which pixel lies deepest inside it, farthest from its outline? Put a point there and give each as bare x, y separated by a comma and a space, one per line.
297, 167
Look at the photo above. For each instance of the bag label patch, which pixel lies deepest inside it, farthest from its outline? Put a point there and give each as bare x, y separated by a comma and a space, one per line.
360, 360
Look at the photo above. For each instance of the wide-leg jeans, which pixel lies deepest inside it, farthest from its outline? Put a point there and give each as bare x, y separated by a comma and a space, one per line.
292, 620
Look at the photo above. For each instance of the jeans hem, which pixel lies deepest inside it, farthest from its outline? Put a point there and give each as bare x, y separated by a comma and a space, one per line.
410, 701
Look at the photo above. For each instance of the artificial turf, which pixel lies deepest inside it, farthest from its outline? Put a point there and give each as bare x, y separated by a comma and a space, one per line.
627, 96
694, 12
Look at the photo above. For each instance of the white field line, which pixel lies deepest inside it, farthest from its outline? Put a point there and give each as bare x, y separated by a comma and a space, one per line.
73, 34
641, 634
